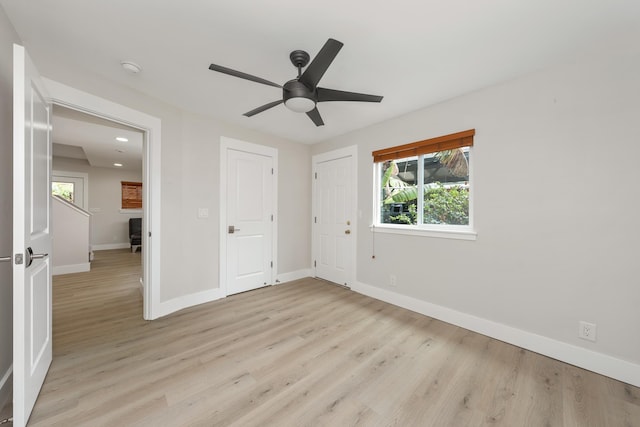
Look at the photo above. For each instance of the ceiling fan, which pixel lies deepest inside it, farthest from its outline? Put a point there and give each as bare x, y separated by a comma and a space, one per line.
302, 93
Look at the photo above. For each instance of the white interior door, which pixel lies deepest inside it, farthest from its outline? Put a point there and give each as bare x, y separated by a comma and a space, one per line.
31, 235
249, 220
334, 218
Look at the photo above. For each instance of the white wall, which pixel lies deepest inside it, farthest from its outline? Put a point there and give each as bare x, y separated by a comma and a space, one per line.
70, 237
190, 161
555, 175
109, 227
7, 38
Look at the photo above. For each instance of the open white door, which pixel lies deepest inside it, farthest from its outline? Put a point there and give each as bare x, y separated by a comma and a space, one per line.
334, 221
32, 350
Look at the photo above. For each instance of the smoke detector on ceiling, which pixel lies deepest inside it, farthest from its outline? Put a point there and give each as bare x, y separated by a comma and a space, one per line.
131, 67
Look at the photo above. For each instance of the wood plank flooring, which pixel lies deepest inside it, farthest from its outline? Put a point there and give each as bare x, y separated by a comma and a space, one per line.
305, 353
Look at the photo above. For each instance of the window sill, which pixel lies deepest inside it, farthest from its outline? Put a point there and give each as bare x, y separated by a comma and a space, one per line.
448, 233
131, 211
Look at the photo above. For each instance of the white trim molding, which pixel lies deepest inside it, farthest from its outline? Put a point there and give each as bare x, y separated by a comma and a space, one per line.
176, 304
293, 275
131, 211
417, 231
109, 246
72, 268
609, 366
186, 301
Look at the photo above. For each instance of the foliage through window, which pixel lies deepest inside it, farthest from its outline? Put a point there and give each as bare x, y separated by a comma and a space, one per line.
429, 188
64, 190
131, 195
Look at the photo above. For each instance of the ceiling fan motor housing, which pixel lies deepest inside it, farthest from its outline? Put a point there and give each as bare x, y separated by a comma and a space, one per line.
298, 97
295, 89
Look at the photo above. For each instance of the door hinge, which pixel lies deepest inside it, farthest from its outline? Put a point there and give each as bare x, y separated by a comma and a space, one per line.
314, 263
149, 234
316, 175
315, 219
271, 264
271, 217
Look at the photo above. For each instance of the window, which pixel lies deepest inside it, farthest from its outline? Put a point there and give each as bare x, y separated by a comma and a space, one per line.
64, 190
425, 185
131, 195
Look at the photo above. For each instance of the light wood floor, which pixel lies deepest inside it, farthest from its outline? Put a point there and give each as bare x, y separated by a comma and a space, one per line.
305, 353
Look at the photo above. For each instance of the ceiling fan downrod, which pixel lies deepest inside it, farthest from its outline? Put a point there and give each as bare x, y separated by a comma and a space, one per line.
299, 59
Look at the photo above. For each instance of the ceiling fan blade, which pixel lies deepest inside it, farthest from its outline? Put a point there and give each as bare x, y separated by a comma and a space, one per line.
229, 71
320, 63
314, 115
263, 108
325, 95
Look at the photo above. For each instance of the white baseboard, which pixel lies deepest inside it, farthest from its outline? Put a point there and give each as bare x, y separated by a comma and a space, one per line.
108, 246
6, 386
72, 268
173, 305
293, 275
609, 366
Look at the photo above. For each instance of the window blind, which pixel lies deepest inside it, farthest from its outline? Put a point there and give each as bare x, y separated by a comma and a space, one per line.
432, 145
131, 195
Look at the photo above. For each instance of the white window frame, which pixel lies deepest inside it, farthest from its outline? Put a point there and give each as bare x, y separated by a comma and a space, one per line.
75, 177
446, 231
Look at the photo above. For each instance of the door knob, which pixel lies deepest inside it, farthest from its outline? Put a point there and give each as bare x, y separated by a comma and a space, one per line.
347, 231
31, 256
233, 229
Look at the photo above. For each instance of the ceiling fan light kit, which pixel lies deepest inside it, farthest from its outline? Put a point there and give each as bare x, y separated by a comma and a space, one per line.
300, 104
302, 93
297, 97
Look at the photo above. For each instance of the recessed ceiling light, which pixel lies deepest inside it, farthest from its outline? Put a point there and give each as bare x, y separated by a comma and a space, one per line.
118, 165
122, 139
131, 67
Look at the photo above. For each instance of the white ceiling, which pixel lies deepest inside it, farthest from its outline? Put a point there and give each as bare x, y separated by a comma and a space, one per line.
413, 52
81, 136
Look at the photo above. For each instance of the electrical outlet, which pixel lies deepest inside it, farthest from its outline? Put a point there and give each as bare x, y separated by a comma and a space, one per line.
392, 281
587, 331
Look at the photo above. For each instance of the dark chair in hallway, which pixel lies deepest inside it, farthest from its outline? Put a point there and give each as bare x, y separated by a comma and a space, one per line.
135, 233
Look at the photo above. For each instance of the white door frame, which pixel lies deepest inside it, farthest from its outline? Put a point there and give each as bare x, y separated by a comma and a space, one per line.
351, 151
235, 144
151, 126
